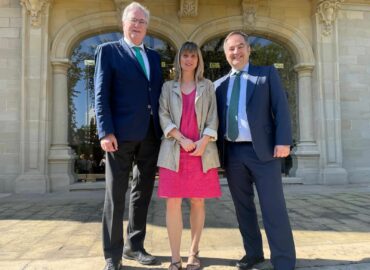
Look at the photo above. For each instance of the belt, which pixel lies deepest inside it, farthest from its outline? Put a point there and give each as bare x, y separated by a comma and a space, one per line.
239, 142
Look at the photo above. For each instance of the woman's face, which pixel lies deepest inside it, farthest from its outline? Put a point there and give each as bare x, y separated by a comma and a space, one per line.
189, 61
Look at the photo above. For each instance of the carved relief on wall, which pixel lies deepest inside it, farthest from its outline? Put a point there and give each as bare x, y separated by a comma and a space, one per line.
35, 8
250, 9
120, 6
188, 8
328, 11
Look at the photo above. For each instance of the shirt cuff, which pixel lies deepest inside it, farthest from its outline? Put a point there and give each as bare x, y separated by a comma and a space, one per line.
210, 132
168, 129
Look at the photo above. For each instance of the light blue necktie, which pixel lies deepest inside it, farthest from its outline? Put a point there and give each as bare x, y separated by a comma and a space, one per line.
139, 58
232, 118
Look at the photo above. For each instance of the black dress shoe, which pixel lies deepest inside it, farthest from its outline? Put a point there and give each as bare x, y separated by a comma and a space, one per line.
247, 263
113, 265
141, 256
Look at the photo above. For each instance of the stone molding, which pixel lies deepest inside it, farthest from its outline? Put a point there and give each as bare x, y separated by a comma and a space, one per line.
36, 8
328, 11
297, 42
304, 69
328, 102
60, 66
77, 29
188, 9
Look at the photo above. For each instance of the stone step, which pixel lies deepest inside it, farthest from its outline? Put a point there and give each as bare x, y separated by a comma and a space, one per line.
101, 184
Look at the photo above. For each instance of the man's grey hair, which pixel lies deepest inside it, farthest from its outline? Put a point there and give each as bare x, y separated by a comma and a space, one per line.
240, 33
132, 6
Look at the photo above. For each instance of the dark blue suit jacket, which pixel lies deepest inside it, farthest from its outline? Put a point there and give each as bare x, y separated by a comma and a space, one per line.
124, 97
267, 111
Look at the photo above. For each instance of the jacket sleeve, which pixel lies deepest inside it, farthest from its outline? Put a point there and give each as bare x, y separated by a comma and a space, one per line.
211, 124
102, 88
280, 110
164, 110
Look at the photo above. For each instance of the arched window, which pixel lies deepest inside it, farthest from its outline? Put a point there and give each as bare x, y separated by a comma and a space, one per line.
264, 52
82, 135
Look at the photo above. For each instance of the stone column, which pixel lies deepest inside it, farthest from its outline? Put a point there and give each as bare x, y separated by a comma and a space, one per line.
33, 177
328, 92
61, 156
306, 154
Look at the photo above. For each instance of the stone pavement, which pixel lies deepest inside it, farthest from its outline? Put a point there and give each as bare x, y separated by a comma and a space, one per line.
331, 226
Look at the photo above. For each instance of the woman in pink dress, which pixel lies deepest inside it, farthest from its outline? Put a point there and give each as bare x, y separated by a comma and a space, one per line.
188, 157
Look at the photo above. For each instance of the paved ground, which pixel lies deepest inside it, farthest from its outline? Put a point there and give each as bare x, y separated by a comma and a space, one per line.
63, 231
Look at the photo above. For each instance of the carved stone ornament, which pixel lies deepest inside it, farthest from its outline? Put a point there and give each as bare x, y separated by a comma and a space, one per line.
35, 9
249, 13
120, 6
188, 8
327, 11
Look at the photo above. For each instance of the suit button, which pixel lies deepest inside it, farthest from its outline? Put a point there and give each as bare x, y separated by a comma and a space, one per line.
149, 107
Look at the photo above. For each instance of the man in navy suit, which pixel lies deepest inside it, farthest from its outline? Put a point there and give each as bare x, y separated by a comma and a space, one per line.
128, 82
254, 132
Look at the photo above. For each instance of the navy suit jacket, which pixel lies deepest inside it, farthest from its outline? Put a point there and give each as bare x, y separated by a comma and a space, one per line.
124, 97
267, 111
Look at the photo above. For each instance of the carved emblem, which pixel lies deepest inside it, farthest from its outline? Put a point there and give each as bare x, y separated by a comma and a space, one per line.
328, 11
249, 13
188, 8
120, 6
250, 9
35, 9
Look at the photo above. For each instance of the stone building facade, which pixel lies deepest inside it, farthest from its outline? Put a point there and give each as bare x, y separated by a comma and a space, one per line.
329, 41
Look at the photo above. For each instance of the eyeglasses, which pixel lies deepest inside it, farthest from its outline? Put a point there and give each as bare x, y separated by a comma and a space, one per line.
141, 22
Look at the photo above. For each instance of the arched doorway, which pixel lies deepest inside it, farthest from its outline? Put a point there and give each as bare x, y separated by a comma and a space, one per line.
82, 135
264, 52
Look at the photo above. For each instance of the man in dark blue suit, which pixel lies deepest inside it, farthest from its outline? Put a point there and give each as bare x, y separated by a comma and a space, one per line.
128, 82
254, 132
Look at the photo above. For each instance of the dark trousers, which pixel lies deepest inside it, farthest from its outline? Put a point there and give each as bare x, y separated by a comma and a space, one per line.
243, 169
118, 167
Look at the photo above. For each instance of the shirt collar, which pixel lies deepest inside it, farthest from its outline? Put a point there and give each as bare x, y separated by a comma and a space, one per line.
244, 69
133, 45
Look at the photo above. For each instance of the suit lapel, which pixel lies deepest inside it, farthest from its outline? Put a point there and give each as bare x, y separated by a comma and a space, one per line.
223, 91
132, 57
222, 96
200, 86
253, 74
177, 116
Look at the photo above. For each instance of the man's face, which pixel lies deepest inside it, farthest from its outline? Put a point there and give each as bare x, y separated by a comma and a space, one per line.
135, 26
237, 51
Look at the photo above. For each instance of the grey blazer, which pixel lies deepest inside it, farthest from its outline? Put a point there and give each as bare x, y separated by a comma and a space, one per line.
170, 110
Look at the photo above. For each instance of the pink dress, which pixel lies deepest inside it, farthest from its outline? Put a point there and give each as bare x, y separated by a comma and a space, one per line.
189, 181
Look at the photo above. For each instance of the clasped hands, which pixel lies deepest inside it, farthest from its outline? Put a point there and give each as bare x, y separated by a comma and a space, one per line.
196, 148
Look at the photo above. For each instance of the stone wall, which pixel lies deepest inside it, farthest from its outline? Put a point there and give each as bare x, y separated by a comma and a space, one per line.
10, 89
32, 150
354, 64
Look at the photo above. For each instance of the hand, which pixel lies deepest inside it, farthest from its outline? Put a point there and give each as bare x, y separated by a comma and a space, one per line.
187, 144
200, 146
281, 151
109, 143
